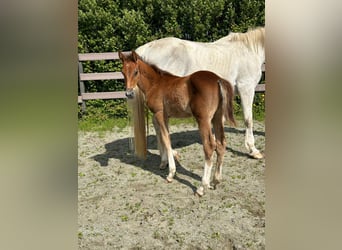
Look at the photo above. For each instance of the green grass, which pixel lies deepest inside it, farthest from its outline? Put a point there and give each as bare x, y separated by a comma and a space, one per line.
179, 121
103, 116
89, 124
92, 125
96, 124
124, 218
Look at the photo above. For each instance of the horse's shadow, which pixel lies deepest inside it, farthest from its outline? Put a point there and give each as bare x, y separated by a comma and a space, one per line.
119, 149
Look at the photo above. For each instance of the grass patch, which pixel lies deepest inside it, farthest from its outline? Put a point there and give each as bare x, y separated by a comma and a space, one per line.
124, 218
90, 124
180, 121
105, 115
93, 124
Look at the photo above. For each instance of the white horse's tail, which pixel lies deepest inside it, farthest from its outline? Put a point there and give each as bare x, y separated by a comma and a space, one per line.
137, 110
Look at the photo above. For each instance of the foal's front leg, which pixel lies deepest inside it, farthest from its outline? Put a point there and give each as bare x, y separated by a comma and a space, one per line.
166, 144
160, 144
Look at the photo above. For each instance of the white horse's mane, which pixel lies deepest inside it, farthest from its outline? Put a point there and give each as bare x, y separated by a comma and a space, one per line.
252, 39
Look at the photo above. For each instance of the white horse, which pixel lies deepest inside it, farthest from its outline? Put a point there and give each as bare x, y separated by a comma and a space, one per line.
237, 58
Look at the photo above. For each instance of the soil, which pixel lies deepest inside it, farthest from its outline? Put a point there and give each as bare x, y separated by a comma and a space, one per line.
126, 203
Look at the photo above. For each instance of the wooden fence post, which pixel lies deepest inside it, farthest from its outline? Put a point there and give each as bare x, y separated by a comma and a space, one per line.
81, 84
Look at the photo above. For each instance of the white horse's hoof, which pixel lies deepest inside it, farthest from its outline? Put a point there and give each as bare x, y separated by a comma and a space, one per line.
257, 155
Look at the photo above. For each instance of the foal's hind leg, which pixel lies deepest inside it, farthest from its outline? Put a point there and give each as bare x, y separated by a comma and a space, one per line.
209, 146
161, 146
220, 148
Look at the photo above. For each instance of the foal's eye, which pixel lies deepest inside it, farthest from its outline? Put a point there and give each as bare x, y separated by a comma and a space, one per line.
135, 72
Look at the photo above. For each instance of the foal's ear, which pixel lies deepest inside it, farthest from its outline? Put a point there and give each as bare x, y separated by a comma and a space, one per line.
121, 56
135, 56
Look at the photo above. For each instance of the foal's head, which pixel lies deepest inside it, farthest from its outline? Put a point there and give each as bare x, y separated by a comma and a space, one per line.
130, 71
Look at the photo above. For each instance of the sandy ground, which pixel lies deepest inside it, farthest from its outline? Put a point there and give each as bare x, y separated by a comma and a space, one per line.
125, 203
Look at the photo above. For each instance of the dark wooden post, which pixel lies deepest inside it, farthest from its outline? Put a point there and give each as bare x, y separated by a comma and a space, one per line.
81, 84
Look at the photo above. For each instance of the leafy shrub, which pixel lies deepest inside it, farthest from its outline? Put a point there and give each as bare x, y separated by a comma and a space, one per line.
123, 25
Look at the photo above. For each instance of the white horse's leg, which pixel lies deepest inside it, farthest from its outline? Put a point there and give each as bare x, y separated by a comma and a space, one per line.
247, 97
165, 141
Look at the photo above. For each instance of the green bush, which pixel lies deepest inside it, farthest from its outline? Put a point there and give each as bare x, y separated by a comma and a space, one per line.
258, 107
123, 25
101, 110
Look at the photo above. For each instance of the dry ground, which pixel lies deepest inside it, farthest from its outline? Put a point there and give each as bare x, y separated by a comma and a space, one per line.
125, 203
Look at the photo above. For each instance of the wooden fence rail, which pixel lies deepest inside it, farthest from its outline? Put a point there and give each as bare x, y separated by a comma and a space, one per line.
108, 76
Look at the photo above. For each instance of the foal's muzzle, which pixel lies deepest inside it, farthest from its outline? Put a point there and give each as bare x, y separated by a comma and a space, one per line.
130, 93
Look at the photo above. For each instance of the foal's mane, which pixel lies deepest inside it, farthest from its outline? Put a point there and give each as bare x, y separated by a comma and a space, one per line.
158, 70
134, 57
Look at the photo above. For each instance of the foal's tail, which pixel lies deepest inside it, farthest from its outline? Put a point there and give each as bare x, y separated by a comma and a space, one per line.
227, 92
137, 110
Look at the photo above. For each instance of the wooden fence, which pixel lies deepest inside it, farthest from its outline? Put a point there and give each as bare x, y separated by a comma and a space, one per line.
84, 96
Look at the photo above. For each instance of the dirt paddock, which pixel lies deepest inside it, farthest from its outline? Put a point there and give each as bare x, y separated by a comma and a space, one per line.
125, 203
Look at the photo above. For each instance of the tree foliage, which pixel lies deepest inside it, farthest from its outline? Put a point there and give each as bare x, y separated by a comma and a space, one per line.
113, 25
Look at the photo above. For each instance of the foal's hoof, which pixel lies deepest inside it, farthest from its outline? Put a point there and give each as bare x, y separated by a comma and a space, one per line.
199, 192
214, 183
176, 155
257, 155
169, 179
162, 166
